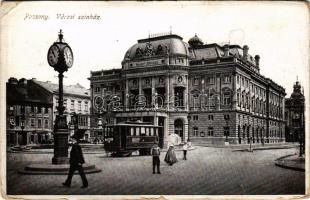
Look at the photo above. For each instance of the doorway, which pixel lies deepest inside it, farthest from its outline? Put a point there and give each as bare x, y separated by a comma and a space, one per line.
178, 127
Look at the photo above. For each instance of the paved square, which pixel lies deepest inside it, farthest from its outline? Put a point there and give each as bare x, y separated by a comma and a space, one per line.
208, 171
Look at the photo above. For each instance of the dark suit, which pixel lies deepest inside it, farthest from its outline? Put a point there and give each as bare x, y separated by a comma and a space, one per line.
76, 161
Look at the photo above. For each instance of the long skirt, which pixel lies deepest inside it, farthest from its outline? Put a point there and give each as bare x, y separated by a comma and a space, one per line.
170, 157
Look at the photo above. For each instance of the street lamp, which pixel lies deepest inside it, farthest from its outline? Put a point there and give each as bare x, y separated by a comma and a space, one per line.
60, 57
188, 120
22, 126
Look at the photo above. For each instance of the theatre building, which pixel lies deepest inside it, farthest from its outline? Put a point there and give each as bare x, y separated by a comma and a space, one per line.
209, 93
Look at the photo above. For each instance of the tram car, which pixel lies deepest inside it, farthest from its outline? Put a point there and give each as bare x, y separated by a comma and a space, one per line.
126, 137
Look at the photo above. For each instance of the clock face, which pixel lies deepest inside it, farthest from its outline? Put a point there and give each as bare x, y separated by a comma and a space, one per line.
53, 55
68, 55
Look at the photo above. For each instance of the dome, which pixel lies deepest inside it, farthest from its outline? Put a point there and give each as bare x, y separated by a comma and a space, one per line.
195, 41
158, 46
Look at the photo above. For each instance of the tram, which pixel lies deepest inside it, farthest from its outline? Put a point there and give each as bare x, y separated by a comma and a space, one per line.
126, 137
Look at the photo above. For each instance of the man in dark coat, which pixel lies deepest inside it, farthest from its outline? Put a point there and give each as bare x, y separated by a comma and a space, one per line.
155, 151
76, 162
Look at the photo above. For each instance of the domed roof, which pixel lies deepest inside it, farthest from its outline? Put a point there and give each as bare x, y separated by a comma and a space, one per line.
297, 94
195, 41
157, 46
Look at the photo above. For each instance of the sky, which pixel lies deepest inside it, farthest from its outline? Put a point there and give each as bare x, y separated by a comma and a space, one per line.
277, 31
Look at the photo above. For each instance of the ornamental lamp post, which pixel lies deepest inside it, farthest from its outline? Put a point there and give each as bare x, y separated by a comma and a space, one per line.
60, 57
188, 121
22, 126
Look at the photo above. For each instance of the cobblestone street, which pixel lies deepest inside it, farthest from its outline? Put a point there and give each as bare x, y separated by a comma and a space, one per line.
208, 171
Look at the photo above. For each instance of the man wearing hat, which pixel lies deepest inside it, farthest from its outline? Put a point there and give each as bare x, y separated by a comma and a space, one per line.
76, 162
155, 151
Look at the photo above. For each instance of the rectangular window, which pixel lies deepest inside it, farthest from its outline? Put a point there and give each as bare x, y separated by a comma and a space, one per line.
202, 134
39, 110
238, 79
72, 104
210, 117
32, 109
17, 120
226, 79
142, 131
211, 80
152, 131
46, 123
65, 103
86, 106
132, 130
39, 123
46, 110
196, 81
137, 131
210, 131
79, 105
195, 131
32, 123
226, 98
195, 117
97, 89
22, 109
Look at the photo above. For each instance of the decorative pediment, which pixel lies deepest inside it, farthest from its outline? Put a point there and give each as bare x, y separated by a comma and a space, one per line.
149, 50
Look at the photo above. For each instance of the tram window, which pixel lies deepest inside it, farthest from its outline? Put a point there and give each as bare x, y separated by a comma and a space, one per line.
156, 131
142, 130
147, 130
132, 130
152, 131
137, 131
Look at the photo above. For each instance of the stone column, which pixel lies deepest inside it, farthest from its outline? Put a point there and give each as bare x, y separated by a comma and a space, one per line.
140, 87
167, 92
153, 90
185, 97
126, 95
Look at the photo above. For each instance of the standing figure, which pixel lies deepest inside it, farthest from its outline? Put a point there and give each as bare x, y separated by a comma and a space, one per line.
170, 157
185, 147
76, 162
173, 140
155, 154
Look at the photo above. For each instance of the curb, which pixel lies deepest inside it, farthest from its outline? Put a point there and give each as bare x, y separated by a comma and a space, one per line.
279, 164
289, 167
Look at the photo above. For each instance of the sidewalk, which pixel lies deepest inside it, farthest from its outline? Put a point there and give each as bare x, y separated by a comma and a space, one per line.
246, 147
292, 161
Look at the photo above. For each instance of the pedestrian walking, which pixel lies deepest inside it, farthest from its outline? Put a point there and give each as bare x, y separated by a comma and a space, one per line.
155, 151
76, 162
186, 145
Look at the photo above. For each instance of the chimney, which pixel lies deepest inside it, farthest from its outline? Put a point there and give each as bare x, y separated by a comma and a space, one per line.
257, 61
245, 52
22, 84
226, 50
13, 81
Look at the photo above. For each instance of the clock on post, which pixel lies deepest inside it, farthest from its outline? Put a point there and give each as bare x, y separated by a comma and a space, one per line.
60, 57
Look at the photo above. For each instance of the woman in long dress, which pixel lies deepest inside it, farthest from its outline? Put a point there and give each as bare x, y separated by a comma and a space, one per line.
170, 157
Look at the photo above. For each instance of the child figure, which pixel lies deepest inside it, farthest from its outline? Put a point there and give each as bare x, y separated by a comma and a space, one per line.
155, 154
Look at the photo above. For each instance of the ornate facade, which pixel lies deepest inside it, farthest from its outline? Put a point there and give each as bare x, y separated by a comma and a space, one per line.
295, 115
206, 92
